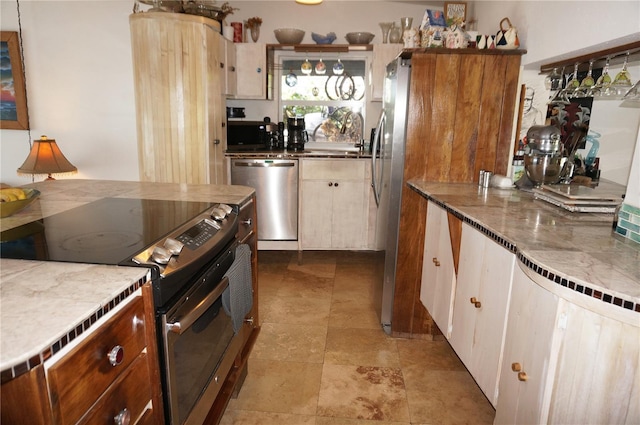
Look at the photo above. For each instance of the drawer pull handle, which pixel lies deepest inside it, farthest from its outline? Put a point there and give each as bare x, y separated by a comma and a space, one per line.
247, 222
122, 418
475, 302
522, 376
436, 262
116, 355
516, 367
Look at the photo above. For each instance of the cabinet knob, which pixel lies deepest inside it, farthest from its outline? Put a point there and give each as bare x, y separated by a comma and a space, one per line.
522, 376
259, 70
122, 418
249, 321
516, 367
475, 302
116, 355
221, 65
216, 141
336, 184
330, 184
436, 262
233, 69
247, 222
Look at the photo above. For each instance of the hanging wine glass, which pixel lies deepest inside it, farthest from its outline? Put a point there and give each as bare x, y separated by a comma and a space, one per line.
553, 81
574, 83
306, 67
587, 82
622, 83
338, 67
561, 97
603, 82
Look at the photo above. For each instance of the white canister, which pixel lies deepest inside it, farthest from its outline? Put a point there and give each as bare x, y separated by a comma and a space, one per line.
227, 32
410, 38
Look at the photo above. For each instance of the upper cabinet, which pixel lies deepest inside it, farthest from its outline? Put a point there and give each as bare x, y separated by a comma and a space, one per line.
251, 70
228, 66
382, 55
179, 90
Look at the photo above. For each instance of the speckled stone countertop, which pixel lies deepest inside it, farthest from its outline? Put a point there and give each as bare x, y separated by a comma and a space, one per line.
307, 153
43, 303
576, 252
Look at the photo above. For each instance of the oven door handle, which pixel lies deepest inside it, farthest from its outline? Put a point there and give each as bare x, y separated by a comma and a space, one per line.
185, 322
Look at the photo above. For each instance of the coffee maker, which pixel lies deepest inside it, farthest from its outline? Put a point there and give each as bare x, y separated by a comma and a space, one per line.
297, 134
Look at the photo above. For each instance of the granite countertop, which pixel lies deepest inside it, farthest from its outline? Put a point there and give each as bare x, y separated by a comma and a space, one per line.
43, 303
307, 153
577, 250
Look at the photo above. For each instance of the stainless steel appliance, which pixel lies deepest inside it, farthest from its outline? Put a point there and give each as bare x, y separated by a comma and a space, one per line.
276, 184
189, 247
255, 136
387, 173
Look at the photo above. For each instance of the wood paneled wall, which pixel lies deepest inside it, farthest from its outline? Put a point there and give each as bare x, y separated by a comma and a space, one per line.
460, 120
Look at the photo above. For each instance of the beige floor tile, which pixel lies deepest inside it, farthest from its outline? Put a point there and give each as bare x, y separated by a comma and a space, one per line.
362, 347
296, 283
349, 310
245, 417
295, 310
285, 342
427, 355
280, 387
361, 392
321, 420
448, 397
318, 263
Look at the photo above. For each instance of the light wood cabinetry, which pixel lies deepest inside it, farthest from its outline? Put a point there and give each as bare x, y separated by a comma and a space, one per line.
459, 120
334, 203
252, 71
382, 55
112, 371
180, 106
481, 303
438, 270
228, 66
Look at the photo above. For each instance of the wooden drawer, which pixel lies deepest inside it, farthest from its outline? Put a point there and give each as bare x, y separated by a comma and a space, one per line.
131, 391
78, 380
247, 218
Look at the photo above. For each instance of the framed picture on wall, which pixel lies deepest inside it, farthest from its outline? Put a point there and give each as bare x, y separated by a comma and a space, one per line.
13, 95
455, 11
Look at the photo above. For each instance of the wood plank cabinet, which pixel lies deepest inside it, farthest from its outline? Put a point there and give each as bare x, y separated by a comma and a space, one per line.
438, 270
180, 107
482, 298
460, 115
252, 71
228, 66
334, 203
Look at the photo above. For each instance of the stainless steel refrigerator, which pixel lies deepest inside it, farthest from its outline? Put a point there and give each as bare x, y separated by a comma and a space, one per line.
387, 176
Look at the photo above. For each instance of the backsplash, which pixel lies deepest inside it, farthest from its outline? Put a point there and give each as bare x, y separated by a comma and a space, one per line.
629, 222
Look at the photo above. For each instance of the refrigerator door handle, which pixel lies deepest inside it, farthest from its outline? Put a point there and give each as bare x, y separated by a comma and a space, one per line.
376, 180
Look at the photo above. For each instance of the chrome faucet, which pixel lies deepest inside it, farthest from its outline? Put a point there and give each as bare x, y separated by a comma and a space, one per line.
350, 114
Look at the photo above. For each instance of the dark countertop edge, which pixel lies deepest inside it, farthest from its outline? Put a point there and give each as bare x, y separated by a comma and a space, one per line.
297, 155
526, 260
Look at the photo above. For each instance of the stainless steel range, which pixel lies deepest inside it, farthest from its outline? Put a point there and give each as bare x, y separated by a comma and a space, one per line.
191, 249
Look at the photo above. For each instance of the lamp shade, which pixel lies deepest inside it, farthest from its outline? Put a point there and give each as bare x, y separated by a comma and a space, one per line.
46, 158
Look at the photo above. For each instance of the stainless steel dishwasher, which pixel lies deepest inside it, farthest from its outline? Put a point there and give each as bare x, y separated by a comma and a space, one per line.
276, 185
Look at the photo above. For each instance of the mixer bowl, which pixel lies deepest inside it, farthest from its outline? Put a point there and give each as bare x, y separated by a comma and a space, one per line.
543, 169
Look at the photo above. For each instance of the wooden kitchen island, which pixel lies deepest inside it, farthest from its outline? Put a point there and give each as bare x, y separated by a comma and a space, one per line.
53, 312
541, 305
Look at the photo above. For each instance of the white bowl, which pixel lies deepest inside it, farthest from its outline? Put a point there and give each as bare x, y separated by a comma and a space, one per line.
359, 37
289, 35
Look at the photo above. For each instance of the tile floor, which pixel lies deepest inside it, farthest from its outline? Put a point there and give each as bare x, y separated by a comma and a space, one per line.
322, 359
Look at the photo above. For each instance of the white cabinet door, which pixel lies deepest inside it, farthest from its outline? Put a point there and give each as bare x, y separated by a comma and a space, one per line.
334, 204
228, 66
251, 59
438, 271
528, 359
597, 379
382, 55
482, 295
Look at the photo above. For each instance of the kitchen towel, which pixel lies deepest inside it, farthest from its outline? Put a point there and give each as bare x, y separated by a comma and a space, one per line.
237, 299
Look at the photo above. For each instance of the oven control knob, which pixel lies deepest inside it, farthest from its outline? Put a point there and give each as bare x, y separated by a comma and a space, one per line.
161, 255
218, 214
173, 246
226, 208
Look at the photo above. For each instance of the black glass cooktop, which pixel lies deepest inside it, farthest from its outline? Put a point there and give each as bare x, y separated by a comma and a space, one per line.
107, 231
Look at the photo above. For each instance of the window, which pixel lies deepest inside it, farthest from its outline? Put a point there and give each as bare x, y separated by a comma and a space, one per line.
329, 93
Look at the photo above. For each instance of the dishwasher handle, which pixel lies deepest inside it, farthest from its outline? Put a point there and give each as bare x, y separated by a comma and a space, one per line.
264, 164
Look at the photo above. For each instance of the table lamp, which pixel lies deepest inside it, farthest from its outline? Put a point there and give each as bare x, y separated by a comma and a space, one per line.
46, 158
